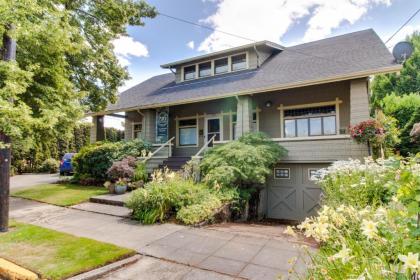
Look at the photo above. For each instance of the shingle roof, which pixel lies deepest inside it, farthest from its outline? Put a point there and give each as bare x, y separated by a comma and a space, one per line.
360, 53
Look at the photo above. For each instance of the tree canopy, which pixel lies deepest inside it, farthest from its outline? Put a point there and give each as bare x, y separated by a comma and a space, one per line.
64, 65
398, 96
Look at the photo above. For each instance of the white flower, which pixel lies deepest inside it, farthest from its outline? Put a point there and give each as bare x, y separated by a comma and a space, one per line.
289, 231
369, 228
411, 261
343, 255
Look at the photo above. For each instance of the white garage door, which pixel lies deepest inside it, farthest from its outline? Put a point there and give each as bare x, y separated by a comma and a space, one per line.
291, 195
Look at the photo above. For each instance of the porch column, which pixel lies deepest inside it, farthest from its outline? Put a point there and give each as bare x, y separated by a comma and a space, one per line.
243, 115
97, 131
149, 123
359, 101
128, 129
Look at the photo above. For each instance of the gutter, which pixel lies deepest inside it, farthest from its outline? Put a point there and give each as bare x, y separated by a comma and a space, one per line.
356, 75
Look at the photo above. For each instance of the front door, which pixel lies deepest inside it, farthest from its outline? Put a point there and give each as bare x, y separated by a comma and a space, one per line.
213, 128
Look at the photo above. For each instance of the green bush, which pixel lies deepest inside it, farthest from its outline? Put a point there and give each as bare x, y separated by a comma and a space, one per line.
50, 165
94, 160
166, 196
246, 161
140, 172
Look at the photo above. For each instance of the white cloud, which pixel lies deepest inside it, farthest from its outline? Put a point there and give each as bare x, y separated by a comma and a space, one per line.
271, 19
401, 35
126, 47
191, 44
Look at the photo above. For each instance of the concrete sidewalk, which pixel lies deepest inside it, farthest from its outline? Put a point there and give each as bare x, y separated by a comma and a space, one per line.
228, 252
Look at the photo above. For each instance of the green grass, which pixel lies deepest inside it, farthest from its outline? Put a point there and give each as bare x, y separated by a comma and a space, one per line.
60, 194
55, 255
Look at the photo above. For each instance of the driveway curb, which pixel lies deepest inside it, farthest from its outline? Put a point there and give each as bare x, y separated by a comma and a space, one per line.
96, 273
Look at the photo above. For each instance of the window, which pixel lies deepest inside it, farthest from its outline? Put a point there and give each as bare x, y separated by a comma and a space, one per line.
238, 62
204, 69
137, 129
189, 72
221, 66
187, 131
312, 174
281, 173
315, 121
254, 123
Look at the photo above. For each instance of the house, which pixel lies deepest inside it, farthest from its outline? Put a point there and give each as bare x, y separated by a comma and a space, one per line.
304, 97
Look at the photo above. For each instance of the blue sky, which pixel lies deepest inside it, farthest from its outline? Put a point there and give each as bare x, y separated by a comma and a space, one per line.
288, 22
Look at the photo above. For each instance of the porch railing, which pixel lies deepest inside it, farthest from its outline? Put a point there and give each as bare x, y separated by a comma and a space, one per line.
167, 143
205, 146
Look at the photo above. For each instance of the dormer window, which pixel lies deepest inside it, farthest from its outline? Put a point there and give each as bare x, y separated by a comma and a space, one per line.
238, 62
189, 72
221, 66
204, 69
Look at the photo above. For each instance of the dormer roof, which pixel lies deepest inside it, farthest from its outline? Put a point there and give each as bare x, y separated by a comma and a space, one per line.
265, 43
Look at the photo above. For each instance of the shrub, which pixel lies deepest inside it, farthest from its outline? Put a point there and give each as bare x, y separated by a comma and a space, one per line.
169, 194
50, 165
140, 172
123, 169
94, 160
246, 161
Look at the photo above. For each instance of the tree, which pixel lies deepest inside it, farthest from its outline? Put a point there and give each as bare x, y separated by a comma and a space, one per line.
398, 96
65, 63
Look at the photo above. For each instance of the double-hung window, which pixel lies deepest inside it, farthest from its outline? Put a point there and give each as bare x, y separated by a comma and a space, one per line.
137, 129
204, 69
254, 123
238, 62
314, 121
187, 131
221, 66
189, 72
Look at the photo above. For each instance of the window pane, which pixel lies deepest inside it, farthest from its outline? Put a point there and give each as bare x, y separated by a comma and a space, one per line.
238, 62
310, 111
221, 66
302, 127
189, 72
213, 125
187, 136
281, 173
233, 131
188, 122
289, 128
315, 126
204, 69
329, 125
233, 117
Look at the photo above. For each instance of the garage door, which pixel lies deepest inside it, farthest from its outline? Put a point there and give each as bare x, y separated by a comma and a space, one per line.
291, 195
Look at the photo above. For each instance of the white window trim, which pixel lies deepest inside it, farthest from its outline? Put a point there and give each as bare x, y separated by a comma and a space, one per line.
274, 173
336, 102
309, 173
229, 57
213, 117
133, 124
177, 131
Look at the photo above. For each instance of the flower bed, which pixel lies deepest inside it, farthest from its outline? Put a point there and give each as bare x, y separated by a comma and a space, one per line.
368, 226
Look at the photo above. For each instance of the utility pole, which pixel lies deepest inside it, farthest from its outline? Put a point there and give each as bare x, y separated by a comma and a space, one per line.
9, 54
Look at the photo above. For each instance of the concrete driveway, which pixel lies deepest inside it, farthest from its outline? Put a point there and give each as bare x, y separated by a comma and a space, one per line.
178, 252
29, 180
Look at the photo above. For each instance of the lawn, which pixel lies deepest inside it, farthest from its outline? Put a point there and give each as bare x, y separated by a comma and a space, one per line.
60, 194
55, 255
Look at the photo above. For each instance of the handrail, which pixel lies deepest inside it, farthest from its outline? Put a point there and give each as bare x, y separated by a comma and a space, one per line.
167, 143
205, 146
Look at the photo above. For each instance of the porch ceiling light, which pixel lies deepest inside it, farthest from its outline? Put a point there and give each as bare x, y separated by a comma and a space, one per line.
268, 104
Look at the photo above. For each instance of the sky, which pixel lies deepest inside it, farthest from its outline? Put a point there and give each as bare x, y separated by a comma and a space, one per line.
288, 22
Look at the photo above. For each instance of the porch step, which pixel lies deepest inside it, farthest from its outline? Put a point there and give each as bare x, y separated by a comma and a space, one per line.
174, 163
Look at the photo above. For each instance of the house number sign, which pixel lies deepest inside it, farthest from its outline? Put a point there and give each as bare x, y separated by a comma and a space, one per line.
162, 125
